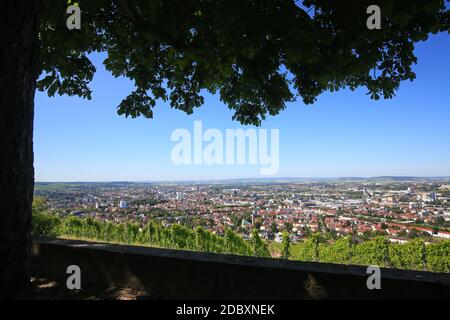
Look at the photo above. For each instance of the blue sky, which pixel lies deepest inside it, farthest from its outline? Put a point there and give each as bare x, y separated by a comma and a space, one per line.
343, 134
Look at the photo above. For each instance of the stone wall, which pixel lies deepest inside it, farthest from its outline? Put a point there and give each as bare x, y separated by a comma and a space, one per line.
175, 274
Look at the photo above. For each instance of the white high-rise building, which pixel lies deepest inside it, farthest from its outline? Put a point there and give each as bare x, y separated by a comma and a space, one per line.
123, 204
433, 196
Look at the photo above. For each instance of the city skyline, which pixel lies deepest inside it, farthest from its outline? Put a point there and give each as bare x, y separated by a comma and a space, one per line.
261, 179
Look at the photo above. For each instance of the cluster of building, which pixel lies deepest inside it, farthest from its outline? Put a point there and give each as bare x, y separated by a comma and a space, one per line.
399, 210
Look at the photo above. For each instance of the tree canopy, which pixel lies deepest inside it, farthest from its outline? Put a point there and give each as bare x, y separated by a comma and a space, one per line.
257, 55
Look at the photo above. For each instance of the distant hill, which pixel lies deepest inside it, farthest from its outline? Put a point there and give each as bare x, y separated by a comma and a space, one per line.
43, 186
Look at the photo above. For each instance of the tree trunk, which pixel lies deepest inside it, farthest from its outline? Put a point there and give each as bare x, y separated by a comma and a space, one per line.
18, 73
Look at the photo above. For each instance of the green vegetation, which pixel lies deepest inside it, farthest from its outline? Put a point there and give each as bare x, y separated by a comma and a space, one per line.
339, 252
259, 247
177, 53
43, 186
175, 236
414, 255
285, 246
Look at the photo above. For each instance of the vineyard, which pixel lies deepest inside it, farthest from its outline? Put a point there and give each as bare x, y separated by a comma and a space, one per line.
414, 255
153, 234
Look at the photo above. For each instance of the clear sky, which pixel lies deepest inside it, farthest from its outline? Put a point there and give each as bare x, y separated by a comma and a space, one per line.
343, 134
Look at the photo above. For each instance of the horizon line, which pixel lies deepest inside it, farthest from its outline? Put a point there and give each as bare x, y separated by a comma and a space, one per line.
445, 177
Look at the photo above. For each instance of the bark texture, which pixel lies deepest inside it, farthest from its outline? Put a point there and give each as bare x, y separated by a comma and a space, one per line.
18, 72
